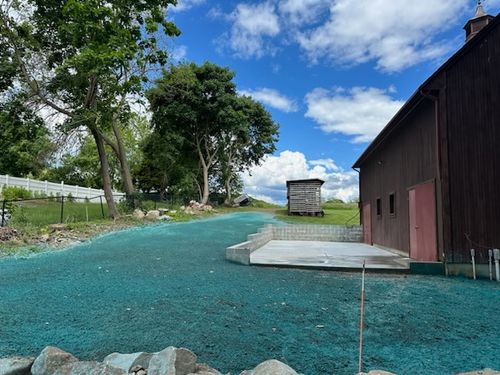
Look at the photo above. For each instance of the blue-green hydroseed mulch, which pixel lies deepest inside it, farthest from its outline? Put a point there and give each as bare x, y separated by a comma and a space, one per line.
148, 288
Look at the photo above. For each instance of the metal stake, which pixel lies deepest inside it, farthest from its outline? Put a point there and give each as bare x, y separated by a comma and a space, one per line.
496, 255
3, 212
473, 256
490, 266
62, 209
362, 313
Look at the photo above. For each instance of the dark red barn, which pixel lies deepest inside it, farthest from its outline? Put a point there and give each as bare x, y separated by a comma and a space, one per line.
430, 181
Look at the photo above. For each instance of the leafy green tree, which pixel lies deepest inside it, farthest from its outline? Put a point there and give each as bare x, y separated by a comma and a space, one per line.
82, 168
200, 104
25, 145
251, 135
82, 58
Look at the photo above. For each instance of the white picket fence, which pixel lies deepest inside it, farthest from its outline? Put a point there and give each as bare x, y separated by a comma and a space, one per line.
54, 189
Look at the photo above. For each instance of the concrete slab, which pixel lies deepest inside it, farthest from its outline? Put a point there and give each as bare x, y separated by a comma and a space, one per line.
335, 255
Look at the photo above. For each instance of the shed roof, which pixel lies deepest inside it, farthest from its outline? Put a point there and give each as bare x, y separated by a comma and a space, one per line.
418, 95
305, 180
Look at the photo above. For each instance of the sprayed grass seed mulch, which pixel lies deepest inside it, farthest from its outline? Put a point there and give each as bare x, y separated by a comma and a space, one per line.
144, 289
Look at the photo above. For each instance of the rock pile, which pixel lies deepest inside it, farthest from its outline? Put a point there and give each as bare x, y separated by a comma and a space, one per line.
152, 215
7, 233
169, 361
195, 208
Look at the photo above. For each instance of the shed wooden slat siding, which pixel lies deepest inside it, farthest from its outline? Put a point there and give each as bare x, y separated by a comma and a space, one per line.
448, 132
304, 196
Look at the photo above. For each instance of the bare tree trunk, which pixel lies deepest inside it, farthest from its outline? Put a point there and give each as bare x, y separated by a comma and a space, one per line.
106, 179
128, 185
229, 199
204, 199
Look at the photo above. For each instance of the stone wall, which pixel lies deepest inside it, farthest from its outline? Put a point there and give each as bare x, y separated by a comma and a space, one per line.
330, 233
240, 253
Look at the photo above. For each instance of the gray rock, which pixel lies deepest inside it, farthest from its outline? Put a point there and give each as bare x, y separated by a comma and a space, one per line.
16, 365
163, 363
204, 369
185, 361
271, 367
172, 361
50, 359
88, 368
486, 371
127, 362
153, 215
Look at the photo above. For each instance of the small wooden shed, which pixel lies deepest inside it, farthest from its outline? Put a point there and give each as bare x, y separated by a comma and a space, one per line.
304, 197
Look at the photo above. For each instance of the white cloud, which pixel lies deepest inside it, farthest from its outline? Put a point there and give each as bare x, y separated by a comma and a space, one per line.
358, 112
395, 35
300, 12
251, 26
269, 179
179, 52
183, 5
272, 98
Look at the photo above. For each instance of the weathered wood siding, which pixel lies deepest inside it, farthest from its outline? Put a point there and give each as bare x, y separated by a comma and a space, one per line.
304, 197
405, 159
473, 131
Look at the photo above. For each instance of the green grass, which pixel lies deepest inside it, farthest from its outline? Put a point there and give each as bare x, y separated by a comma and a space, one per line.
41, 213
333, 216
336, 213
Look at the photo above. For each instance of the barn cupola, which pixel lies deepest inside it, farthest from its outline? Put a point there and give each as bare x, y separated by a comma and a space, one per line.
475, 25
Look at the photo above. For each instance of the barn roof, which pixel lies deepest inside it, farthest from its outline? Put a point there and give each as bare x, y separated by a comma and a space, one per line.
418, 95
305, 180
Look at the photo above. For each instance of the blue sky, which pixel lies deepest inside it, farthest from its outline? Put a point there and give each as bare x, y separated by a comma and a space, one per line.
331, 72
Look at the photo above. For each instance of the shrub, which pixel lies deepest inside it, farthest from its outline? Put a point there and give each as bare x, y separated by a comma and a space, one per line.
13, 192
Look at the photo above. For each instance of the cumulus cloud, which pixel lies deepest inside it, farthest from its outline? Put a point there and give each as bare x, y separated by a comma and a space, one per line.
268, 180
252, 26
183, 5
272, 98
395, 36
346, 32
360, 112
300, 12
179, 52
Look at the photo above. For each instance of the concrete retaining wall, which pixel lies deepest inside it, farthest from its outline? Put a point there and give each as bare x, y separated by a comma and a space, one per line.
240, 253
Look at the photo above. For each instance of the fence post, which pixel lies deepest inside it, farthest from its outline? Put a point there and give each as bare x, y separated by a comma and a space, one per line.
28, 183
46, 188
102, 207
3, 212
62, 188
62, 209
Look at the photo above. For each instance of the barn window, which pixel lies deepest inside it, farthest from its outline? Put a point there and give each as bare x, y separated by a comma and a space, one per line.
379, 207
392, 204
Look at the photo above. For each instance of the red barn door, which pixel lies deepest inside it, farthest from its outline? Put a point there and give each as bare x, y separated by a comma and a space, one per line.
422, 221
367, 224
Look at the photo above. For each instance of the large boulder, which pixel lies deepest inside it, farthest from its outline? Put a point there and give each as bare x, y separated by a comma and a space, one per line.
204, 369
127, 362
88, 368
486, 371
153, 215
138, 214
172, 361
50, 359
271, 367
16, 365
